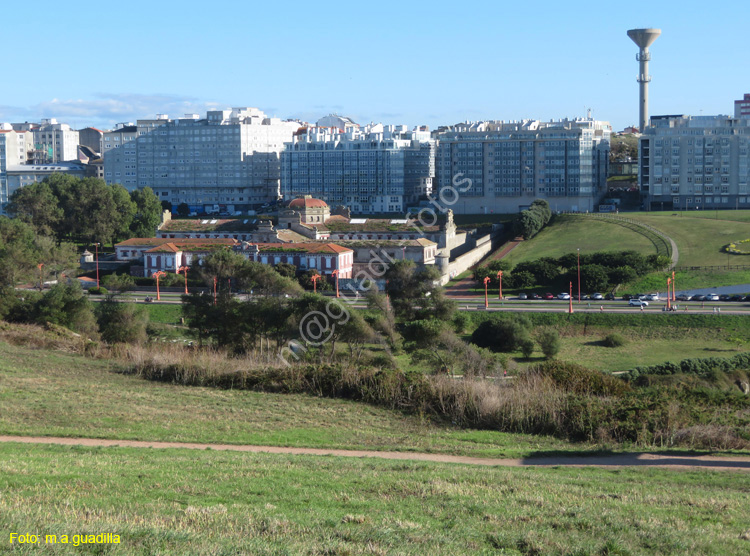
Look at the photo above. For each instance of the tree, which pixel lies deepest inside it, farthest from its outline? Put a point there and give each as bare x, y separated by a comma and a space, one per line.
416, 293
549, 342
183, 209
118, 283
166, 205
66, 305
286, 269
594, 277
122, 322
501, 334
37, 205
57, 258
18, 252
148, 212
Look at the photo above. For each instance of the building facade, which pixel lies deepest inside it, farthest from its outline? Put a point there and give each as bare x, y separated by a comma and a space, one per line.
54, 142
227, 161
24, 174
503, 167
742, 107
375, 169
694, 162
15, 147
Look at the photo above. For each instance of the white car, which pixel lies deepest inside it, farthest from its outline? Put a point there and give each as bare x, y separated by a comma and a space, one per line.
651, 297
712, 297
638, 303
563, 296
597, 296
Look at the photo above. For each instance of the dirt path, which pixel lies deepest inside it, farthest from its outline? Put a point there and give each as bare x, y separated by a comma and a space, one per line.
672, 461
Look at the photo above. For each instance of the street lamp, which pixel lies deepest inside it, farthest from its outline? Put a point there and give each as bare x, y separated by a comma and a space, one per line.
215, 290
97, 263
486, 299
336, 274
500, 278
158, 274
669, 295
570, 299
579, 275
39, 266
184, 270
674, 293
315, 279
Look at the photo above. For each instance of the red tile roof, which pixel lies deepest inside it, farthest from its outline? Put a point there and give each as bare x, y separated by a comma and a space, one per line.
306, 202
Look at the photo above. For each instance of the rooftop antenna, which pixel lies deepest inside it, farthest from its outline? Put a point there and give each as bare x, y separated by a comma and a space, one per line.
643, 38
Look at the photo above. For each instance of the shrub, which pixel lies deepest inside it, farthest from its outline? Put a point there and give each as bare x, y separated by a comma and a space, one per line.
549, 342
122, 322
613, 340
500, 334
526, 345
461, 322
101, 290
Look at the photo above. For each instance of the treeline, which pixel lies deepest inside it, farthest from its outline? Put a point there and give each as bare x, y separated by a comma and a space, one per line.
533, 219
599, 271
86, 210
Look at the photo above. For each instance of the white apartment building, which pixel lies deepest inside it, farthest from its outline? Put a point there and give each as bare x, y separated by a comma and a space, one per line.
502, 167
227, 160
54, 142
694, 162
374, 169
15, 147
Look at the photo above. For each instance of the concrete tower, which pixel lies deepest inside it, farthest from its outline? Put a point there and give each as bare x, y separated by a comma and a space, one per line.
644, 38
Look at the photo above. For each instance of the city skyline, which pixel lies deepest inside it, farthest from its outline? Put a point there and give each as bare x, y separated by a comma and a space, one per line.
400, 64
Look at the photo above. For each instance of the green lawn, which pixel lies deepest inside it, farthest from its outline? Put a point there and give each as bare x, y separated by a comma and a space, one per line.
567, 234
58, 394
175, 502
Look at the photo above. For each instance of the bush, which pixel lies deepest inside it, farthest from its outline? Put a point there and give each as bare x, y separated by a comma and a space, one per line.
101, 290
613, 340
122, 322
461, 322
549, 342
500, 334
526, 345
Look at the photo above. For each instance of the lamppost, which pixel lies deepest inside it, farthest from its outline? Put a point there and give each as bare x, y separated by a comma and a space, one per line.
315, 279
500, 279
669, 295
486, 299
674, 293
158, 274
39, 266
336, 274
215, 280
570, 298
184, 270
579, 275
97, 263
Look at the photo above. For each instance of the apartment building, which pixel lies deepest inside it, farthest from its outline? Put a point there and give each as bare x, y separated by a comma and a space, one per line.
54, 142
694, 162
375, 169
498, 167
14, 150
227, 161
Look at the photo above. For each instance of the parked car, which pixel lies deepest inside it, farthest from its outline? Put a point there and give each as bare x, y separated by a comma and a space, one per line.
563, 296
597, 296
724, 297
712, 297
628, 297
536, 296
698, 298
683, 297
735, 298
522, 296
609, 297
637, 303
548, 295
651, 297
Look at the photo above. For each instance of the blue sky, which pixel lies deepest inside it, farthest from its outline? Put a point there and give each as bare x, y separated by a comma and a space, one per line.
392, 62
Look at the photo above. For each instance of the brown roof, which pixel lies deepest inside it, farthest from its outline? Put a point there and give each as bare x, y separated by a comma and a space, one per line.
303, 247
155, 241
307, 202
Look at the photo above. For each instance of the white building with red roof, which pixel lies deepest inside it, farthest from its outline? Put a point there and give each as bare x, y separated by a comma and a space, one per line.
323, 257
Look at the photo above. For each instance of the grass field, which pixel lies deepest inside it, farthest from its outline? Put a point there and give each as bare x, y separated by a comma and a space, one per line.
568, 234
175, 502
51, 393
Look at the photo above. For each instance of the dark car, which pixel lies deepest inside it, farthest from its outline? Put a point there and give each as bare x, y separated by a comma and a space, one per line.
549, 296
698, 298
609, 297
724, 297
735, 298
535, 296
683, 297
628, 297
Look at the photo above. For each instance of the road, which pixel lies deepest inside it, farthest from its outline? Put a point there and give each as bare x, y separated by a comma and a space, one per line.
684, 461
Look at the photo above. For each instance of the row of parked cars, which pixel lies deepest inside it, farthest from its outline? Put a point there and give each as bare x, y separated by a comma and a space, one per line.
637, 297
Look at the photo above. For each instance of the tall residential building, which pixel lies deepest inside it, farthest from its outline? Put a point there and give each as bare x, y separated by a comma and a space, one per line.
14, 150
694, 162
91, 137
228, 159
511, 164
742, 107
371, 170
54, 142
119, 154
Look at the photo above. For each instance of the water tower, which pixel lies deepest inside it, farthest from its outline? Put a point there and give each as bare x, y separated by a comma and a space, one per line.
644, 38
